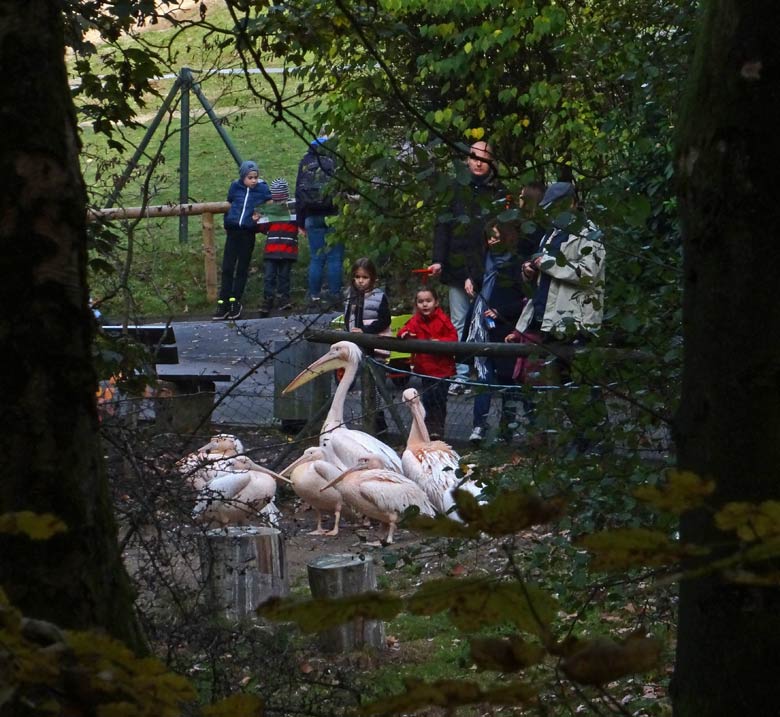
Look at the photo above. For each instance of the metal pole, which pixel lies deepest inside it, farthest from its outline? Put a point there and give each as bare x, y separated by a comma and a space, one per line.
217, 124
150, 130
185, 76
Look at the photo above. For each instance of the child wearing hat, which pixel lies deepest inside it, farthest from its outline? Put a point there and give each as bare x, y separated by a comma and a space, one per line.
244, 194
281, 246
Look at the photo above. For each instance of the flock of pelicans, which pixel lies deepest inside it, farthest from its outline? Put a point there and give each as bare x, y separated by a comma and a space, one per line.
348, 467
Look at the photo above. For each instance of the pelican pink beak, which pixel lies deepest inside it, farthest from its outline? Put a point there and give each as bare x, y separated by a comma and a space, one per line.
301, 460
329, 362
341, 477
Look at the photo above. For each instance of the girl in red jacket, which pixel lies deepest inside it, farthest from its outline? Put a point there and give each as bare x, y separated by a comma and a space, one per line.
430, 322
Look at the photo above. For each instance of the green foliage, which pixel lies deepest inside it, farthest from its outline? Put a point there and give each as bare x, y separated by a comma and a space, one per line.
47, 671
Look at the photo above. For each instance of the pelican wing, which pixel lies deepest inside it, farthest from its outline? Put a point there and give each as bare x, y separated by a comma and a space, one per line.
346, 446
392, 492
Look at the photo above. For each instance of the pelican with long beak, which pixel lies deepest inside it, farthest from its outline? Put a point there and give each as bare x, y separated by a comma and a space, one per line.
239, 494
343, 446
433, 465
380, 493
309, 474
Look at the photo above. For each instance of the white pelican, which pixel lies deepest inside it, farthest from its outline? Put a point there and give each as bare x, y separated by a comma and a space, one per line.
380, 493
308, 474
241, 490
433, 465
343, 446
207, 462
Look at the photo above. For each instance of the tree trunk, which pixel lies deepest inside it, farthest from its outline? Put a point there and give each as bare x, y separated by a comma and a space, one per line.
729, 421
50, 453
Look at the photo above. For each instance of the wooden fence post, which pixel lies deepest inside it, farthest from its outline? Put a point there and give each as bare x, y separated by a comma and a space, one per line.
209, 255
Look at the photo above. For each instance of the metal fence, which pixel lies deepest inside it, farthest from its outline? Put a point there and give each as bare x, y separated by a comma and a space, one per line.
262, 360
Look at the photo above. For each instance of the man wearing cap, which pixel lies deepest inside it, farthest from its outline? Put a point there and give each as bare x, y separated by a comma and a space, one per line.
459, 241
281, 246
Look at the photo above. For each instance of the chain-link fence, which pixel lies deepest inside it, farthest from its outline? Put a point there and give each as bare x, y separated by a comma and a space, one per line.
261, 361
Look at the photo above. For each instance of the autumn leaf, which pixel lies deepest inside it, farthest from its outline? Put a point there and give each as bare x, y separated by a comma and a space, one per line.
477, 602
504, 655
239, 704
750, 521
602, 660
442, 527
508, 513
446, 694
634, 548
682, 491
322, 613
37, 526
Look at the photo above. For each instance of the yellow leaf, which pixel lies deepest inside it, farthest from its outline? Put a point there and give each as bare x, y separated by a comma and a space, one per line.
240, 705
504, 655
525, 122
478, 602
683, 491
751, 521
468, 47
38, 526
509, 513
602, 660
477, 132
322, 613
634, 547
446, 694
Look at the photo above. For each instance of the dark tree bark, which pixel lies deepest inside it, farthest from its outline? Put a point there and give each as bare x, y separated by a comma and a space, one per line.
729, 421
50, 452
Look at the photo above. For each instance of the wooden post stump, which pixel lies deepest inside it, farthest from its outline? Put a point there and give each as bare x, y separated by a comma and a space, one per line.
332, 576
242, 567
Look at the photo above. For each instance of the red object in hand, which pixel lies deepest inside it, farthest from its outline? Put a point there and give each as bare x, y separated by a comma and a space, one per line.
426, 272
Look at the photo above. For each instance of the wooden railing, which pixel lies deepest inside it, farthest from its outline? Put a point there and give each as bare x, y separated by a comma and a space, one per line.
206, 210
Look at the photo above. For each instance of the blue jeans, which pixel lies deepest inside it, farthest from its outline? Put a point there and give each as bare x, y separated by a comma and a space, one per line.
323, 256
509, 399
459, 308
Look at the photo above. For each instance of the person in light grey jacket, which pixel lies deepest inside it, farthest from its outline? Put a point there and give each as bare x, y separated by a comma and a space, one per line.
569, 296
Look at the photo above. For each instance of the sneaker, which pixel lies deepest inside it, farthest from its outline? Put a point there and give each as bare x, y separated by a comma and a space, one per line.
477, 435
235, 310
458, 387
221, 312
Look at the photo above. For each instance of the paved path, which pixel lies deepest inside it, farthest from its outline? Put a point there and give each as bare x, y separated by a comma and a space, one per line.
242, 349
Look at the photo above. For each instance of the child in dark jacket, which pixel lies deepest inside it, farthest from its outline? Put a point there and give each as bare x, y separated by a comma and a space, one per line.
430, 322
281, 247
244, 194
498, 302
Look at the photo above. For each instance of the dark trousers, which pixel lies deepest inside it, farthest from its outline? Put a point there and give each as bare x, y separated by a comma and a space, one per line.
277, 278
434, 400
239, 246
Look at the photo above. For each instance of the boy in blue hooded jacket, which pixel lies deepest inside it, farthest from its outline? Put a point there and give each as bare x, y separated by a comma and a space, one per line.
245, 193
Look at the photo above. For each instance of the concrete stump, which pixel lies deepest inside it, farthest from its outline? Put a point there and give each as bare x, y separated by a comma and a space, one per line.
242, 567
332, 576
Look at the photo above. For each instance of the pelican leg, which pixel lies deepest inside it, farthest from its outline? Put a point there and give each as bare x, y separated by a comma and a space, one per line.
388, 539
319, 529
336, 518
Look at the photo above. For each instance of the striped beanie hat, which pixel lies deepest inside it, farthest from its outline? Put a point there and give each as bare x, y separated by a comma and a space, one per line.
280, 190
